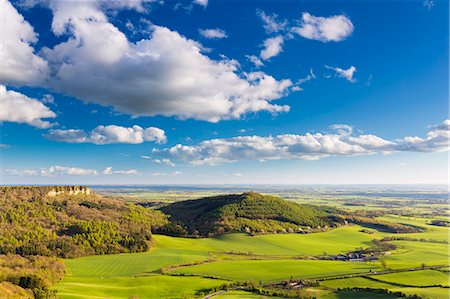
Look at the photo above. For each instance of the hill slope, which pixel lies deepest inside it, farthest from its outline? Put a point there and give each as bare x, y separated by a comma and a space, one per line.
248, 212
69, 221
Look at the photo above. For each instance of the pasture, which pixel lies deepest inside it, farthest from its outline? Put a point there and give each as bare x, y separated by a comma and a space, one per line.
276, 270
435, 293
335, 241
190, 265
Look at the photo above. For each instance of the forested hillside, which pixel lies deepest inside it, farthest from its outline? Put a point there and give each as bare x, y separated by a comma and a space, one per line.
53, 221
39, 224
248, 212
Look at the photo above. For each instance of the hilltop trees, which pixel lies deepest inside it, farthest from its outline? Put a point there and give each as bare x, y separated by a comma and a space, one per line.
250, 212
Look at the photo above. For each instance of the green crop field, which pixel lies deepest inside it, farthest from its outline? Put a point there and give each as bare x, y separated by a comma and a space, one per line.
414, 254
417, 278
332, 242
438, 293
151, 286
276, 270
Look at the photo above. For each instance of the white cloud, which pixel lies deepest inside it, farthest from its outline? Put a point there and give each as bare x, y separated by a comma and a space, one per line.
203, 3
298, 84
437, 140
53, 171
213, 33
342, 73
16, 107
110, 134
18, 63
163, 161
271, 24
334, 28
311, 146
166, 74
109, 170
255, 60
168, 162
272, 47
57, 170
175, 173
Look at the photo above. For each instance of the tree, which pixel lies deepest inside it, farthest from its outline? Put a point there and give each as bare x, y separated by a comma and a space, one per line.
383, 264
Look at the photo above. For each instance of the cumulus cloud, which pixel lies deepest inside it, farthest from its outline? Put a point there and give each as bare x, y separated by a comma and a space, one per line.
18, 62
437, 140
166, 74
331, 29
342, 73
109, 134
271, 23
213, 33
311, 146
272, 47
16, 107
67, 170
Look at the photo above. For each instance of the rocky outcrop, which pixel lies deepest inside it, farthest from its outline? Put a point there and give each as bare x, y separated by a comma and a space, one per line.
71, 190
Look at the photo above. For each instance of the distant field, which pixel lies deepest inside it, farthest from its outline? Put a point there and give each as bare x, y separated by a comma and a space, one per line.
432, 231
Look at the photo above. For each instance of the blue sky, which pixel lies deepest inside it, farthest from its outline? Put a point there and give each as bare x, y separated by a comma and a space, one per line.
287, 92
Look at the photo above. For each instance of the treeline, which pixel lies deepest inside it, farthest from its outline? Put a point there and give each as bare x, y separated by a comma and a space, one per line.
251, 212
381, 225
381, 291
284, 290
445, 223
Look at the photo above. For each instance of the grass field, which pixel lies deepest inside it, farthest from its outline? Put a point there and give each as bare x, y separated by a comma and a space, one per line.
413, 254
432, 232
417, 278
133, 264
265, 258
438, 293
276, 270
335, 241
152, 286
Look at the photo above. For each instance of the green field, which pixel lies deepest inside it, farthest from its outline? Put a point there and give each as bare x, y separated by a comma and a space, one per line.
335, 241
151, 286
438, 293
264, 258
276, 270
417, 278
